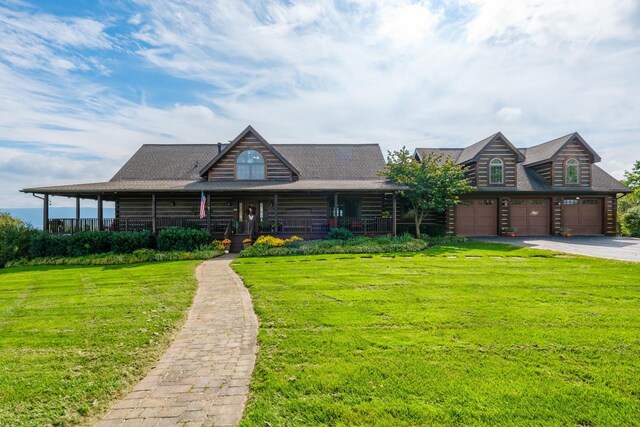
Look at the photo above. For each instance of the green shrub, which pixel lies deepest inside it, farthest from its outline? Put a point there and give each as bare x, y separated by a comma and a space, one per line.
436, 230
339, 234
357, 245
129, 241
425, 229
631, 221
89, 243
44, 244
182, 239
141, 255
14, 239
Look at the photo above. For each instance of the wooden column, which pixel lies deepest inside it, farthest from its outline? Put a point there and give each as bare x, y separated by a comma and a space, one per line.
153, 214
275, 213
394, 214
335, 208
77, 226
45, 212
209, 212
100, 213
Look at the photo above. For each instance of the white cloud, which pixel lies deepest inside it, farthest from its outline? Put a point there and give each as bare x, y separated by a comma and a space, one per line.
509, 114
550, 21
392, 72
32, 40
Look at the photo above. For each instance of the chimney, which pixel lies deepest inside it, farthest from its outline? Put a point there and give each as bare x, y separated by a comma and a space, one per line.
219, 147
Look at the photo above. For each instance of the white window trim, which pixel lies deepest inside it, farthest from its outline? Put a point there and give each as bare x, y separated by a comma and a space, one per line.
566, 169
501, 171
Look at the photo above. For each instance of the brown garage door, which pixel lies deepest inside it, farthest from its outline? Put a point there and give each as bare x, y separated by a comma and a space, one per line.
530, 216
582, 216
477, 217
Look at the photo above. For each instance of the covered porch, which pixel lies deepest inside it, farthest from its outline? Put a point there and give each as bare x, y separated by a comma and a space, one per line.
308, 215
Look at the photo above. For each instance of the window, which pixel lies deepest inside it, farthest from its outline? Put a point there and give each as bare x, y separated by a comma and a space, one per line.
571, 171
570, 202
250, 165
496, 171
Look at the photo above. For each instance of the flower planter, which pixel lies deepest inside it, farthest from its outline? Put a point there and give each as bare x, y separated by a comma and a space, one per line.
510, 234
566, 234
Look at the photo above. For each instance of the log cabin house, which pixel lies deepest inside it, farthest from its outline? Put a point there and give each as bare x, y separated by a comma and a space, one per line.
536, 190
306, 189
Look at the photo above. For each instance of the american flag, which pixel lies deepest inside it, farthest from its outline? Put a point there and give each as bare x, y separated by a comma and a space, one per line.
203, 204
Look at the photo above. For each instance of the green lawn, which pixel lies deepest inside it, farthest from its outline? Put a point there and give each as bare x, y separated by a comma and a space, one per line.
475, 335
72, 339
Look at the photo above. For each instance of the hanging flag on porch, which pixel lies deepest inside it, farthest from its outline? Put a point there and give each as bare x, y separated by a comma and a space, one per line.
203, 204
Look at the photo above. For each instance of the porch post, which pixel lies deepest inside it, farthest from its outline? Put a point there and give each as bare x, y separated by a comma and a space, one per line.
77, 227
209, 212
45, 213
275, 214
153, 213
100, 213
335, 208
394, 213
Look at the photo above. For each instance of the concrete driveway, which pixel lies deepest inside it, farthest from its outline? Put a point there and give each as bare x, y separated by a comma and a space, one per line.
620, 248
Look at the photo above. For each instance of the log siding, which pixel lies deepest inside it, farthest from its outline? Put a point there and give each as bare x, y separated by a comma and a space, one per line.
498, 149
572, 150
225, 168
544, 170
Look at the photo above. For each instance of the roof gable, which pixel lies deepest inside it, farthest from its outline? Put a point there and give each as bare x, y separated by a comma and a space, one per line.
549, 150
472, 152
248, 130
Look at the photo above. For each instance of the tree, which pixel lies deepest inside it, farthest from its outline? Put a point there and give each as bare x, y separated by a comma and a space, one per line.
630, 201
432, 185
632, 177
14, 239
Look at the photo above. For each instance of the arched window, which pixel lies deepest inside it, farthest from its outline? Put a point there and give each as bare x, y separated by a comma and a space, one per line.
496, 171
250, 165
572, 172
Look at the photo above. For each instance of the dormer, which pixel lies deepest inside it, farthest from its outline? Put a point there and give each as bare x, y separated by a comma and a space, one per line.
563, 162
249, 157
492, 161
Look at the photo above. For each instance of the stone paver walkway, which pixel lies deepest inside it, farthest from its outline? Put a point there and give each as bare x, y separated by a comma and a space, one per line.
203, 378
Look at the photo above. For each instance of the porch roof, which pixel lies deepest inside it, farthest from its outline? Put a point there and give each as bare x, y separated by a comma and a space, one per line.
160, 186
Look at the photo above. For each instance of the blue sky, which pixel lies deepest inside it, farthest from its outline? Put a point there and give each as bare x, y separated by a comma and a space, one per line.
84, 83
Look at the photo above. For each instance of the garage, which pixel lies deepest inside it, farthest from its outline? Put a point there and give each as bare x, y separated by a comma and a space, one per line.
478, 217
582, 216
530, 217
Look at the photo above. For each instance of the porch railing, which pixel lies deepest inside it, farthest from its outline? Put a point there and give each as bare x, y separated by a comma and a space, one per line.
284, 226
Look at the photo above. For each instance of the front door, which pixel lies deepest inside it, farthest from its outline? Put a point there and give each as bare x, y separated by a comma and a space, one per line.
248, 206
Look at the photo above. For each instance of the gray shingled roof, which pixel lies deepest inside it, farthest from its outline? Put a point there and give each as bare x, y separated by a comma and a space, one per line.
452, 153
470, 152
334, 161
378, 184
313, 161
530, 182
547, 150
167, 162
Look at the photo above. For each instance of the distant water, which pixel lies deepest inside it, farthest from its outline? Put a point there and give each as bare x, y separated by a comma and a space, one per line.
33, 216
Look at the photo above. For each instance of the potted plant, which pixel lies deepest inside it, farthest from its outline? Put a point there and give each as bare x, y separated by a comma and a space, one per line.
247, 243
226, 243
566, 232
509, 231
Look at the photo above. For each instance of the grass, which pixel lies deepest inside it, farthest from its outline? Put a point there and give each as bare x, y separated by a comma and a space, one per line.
72, 339
473, 334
